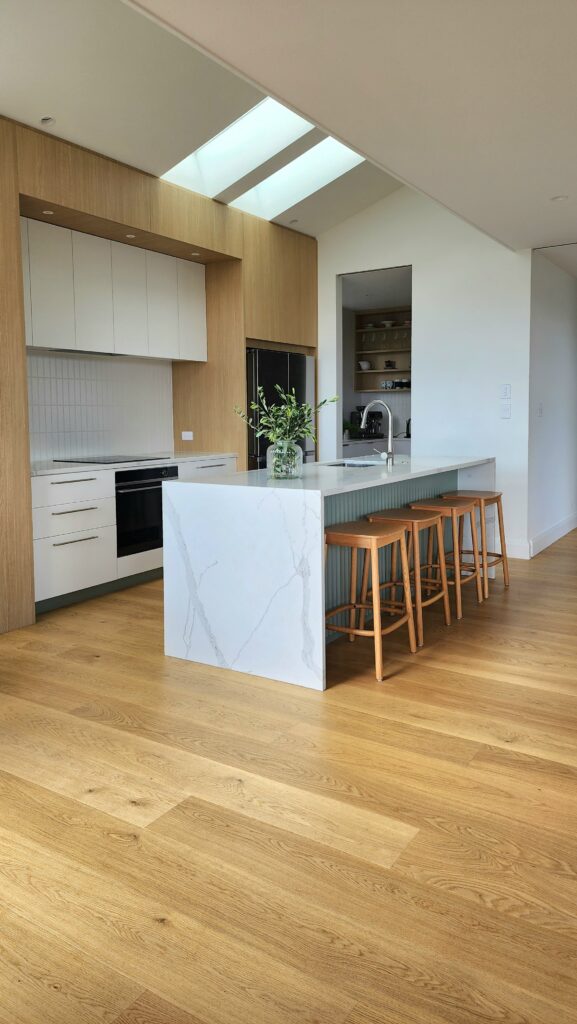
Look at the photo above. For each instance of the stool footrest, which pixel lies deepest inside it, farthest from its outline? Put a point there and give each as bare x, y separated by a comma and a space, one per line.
351, 631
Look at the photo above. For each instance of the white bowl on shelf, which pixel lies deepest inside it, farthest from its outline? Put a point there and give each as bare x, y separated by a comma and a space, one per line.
364, 364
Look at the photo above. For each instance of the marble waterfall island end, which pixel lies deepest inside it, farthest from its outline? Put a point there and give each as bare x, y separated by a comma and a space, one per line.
244, 576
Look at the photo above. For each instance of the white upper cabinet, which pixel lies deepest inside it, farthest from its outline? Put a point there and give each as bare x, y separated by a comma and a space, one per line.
26, 280
88, 293
129, 299
51, 285
191, 311
162, 292
91, 260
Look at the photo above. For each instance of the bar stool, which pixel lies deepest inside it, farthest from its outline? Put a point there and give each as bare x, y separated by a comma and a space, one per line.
415, 521
483, 499
456, 509
370, 538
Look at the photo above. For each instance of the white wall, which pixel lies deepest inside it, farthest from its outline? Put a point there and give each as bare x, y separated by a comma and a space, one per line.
552, 404
470, 335
90, 405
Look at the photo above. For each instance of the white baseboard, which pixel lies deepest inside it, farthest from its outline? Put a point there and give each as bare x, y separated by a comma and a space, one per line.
547, 537
518, 549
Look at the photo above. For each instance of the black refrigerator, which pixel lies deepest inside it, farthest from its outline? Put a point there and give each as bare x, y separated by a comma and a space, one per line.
265, 368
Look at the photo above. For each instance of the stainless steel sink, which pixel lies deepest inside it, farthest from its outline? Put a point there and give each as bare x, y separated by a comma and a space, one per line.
353, 465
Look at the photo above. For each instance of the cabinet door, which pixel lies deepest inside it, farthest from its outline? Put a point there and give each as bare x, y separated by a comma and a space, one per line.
202, 468
191, 311
91, 262
51, 285
74, 562
129, 300
26, 280
162, 296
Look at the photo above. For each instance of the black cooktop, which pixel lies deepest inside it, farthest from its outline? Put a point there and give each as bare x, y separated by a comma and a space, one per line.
103, 460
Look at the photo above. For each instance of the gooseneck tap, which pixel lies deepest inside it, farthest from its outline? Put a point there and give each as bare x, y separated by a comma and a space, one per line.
367, 409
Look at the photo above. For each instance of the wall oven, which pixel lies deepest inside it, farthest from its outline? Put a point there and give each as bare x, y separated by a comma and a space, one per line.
139, 517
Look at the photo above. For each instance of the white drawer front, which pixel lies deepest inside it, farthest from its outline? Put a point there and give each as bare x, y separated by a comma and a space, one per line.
61, 489
205, 467
73, 562
53, 520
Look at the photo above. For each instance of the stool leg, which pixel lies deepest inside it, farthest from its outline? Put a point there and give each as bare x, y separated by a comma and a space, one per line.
443, 570
418, 590
408, 598
457, 565
461, 537
364, 587
476, 560
429, 561
503, 542
377, 612
483, 513
394, 570
353, 593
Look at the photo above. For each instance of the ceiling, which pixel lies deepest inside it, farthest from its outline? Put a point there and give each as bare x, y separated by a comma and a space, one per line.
119, 83
471, 103
114, 81
378, 289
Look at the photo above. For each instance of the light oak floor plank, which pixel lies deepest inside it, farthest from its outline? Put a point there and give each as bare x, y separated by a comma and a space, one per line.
183, 846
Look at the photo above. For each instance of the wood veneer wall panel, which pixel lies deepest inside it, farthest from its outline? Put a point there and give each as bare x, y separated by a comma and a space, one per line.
192, 218
70, 176
16, 560
205, 394
280, 284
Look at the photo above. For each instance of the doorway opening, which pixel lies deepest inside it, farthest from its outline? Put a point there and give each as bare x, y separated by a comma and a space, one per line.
376, 358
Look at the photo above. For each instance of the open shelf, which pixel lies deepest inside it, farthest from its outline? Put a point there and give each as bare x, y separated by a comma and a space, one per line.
382, 351
382, 391
387, 371
397, 327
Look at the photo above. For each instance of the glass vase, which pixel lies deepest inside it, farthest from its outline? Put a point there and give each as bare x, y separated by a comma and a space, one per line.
284, 460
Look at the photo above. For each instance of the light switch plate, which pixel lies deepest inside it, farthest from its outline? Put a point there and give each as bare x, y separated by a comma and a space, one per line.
505, 409
187, 435
505, 391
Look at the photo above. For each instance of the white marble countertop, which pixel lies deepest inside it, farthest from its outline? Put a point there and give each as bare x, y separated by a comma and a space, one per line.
50, 468
328, 478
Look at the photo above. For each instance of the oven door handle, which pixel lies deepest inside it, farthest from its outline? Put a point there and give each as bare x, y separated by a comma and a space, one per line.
135, 490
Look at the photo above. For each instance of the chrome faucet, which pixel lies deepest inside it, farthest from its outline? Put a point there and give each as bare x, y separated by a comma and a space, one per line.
367, 409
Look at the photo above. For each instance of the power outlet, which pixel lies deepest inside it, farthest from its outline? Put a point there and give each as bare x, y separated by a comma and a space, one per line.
187, 435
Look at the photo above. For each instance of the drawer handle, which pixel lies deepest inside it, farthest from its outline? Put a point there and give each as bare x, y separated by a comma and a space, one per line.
79, 540
213, 465
80, 480
74, 511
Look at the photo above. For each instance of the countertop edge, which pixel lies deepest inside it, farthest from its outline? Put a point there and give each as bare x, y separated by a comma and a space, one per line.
44, 469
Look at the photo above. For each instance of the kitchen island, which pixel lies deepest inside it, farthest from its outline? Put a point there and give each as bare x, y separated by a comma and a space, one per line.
245, 585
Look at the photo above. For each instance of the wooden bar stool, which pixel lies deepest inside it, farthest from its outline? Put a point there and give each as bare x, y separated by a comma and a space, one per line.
483, 499
456, 510
415, 521
370, 538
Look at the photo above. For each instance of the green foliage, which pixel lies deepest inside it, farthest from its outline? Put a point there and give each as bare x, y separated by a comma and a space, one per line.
285, 420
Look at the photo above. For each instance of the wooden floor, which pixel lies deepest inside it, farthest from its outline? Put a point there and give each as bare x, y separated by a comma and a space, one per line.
179, 846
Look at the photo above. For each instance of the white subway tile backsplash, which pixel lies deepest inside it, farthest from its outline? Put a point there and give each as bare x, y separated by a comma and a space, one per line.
86, 405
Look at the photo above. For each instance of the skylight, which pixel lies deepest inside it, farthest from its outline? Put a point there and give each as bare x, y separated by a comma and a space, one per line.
247, 143
306, 174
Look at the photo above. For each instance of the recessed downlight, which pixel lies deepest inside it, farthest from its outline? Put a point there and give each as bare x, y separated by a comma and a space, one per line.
48, 213
295, 220
195, 254
47, 120
131, 236
559, 199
